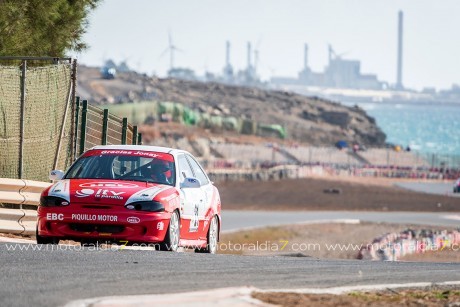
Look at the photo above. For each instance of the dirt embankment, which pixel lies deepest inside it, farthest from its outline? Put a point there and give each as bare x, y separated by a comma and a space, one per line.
328, 194
307, 119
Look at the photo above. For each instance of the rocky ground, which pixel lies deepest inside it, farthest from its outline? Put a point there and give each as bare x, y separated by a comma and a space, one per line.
307, 119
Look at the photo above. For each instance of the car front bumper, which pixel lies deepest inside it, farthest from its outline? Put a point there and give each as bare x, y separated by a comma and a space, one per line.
117, 224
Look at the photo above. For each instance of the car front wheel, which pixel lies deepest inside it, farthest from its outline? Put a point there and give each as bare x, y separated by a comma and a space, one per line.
213, 238
171, 241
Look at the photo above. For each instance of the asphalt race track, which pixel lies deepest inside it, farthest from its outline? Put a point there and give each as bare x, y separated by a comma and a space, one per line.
41, 275
234, 220
51, 278
440, 188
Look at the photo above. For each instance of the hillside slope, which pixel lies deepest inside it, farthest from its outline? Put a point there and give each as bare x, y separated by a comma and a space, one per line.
307, 119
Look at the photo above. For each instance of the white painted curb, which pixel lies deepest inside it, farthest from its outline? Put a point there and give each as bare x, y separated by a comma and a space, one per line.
227, 297
239, 297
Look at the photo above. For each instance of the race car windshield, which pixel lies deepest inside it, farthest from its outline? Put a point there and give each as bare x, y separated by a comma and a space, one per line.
124, 167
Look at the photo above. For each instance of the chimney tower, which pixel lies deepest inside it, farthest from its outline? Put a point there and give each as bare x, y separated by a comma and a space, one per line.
305, 59
399, 84
227, 55
249, 56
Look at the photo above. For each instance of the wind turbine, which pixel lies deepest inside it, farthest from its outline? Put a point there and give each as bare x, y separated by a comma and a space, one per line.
171, 49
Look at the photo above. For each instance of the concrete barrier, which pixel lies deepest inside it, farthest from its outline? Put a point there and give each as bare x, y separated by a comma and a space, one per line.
19, 192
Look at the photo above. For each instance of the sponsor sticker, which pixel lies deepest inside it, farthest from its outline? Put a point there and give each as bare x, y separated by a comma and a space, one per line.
109, 194
133, 220
94, 217
55, 217
84, 193
161, 226
137, 153
108, 185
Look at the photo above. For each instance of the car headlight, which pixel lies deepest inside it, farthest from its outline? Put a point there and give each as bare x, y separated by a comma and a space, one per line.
53, 201
151, 206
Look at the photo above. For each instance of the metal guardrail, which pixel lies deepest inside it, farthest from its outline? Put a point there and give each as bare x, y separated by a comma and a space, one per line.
19, 192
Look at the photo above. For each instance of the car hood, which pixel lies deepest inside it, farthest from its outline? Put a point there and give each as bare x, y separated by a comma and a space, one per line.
112, 192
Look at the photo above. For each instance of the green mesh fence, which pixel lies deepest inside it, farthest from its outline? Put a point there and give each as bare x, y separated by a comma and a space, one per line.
48, 94
10, 115
48, 91
94, 129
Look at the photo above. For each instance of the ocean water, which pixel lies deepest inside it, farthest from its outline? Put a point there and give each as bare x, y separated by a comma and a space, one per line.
425, 128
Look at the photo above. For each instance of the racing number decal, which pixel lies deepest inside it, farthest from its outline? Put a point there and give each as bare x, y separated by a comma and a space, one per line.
194, 223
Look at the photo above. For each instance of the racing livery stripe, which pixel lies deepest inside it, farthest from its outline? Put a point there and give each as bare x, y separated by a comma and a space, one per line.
146, 194
61, 189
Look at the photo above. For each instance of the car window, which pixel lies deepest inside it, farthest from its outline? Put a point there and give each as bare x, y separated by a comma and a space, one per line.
120, 166
184, 168
125, 165
198, 171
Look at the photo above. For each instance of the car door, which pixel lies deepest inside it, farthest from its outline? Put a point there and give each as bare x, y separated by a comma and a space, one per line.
190, 201
206, 192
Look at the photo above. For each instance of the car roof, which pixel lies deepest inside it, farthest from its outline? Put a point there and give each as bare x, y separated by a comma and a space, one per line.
169, 150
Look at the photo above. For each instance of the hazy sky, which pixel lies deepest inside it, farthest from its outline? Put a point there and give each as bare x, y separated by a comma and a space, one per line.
137, 30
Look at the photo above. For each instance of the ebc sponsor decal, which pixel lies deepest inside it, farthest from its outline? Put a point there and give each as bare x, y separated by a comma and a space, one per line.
55, 217
133, 220
94, 217
108, 185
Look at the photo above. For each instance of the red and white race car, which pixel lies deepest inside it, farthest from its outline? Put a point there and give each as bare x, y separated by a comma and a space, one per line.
132, 194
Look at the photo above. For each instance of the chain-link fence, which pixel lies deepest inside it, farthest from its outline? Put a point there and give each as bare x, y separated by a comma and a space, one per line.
96, 126
36, 115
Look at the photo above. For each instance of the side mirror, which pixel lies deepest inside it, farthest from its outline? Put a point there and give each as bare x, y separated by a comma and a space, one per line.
56, 175
190, 183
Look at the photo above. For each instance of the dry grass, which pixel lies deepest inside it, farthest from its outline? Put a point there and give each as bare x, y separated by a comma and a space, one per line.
446, 296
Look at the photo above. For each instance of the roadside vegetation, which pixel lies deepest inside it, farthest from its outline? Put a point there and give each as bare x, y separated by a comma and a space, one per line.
43, 27
445, 296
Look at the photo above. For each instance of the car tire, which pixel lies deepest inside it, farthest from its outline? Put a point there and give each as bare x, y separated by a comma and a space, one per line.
45, 240
213, 238
172, 238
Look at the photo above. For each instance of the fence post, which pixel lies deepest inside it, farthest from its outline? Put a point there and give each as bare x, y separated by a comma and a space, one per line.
134, 135
74, 116
105, 121
23, 109
139, 138
84, 112
77, 114
64, 119
124, 130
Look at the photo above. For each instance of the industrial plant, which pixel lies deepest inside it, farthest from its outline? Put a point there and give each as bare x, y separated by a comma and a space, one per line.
341, 79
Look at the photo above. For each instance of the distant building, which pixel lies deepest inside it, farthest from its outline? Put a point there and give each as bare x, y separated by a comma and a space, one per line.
182, 73
339, 73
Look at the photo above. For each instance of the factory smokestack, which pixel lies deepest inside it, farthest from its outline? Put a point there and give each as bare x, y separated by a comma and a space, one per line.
249, 55
305, 59
399, 84
227, 55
